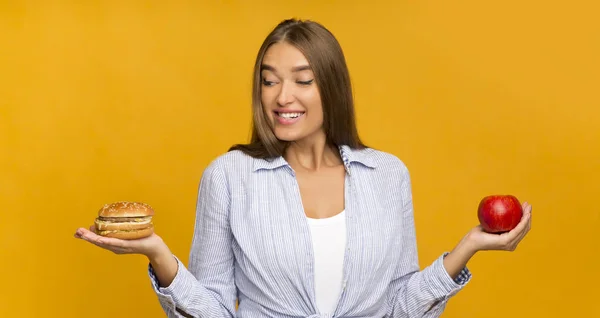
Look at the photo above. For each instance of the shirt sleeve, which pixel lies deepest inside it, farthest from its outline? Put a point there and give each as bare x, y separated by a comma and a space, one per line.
207, 288
414, 293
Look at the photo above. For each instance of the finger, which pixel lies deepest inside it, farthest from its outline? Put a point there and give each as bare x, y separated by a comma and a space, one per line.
530, 217
523, 232
527, 216
527, 227
109, 240
519, 228
90, 236
115, 242
101, 240
520, 236
527, 208
84, 233
509, 239
112, 244
80, 232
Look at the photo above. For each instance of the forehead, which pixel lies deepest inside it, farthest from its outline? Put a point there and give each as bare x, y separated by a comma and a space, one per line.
284, 56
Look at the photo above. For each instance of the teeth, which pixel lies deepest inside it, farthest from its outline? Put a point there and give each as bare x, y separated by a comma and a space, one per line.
289, 115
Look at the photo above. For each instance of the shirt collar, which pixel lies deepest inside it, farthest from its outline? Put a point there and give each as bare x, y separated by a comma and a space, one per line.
349, 156
269, 164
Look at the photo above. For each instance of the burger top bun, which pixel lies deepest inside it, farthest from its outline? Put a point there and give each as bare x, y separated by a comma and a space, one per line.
126, 209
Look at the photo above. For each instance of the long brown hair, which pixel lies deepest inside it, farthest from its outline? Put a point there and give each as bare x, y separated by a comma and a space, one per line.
327, 61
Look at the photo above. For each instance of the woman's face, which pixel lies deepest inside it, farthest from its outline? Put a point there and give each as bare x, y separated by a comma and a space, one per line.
289, 94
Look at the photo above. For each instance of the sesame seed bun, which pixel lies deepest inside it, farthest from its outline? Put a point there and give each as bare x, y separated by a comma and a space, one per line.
125, 220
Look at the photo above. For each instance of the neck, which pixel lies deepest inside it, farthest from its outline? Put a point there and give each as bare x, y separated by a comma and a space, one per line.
312, 154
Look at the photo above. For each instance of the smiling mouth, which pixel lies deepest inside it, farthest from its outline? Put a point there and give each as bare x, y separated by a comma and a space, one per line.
289, 115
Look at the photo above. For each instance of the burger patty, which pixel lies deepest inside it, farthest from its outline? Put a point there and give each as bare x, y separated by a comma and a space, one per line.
123, 224
121, 220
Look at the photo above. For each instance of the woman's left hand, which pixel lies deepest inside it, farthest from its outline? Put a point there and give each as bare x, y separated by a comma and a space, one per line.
508, 241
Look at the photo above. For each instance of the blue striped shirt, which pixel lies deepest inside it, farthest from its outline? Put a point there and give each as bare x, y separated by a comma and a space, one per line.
252, 242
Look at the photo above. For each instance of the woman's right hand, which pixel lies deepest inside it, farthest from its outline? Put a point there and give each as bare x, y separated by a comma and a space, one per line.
150, 246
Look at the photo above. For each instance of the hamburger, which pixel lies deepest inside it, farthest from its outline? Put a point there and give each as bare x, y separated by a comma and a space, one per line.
125, 220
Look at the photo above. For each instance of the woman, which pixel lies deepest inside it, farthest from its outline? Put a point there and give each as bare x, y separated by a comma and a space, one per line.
306, 221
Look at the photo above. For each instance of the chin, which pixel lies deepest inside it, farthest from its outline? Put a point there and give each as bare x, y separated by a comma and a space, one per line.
287, 136
291, 134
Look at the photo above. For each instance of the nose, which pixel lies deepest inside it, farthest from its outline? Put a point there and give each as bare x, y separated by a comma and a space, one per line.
286, 94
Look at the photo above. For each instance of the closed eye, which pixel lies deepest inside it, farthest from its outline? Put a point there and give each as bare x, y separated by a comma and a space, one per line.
268, 83
306, 82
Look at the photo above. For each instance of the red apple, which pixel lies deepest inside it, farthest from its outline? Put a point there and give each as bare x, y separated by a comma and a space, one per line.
499, 213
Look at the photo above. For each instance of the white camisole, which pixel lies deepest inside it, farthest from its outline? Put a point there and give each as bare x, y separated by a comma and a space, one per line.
329, 244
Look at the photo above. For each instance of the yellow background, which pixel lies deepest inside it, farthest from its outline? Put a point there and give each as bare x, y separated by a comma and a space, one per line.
123, 100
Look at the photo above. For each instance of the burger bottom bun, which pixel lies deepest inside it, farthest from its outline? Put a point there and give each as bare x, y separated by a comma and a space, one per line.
128, 235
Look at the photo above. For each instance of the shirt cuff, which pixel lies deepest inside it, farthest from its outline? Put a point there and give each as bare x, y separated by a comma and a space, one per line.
441, 281
166, 300
180, 289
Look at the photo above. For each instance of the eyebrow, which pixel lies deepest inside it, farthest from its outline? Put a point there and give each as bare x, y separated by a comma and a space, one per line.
266, 67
